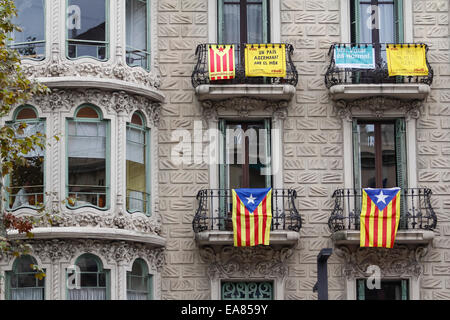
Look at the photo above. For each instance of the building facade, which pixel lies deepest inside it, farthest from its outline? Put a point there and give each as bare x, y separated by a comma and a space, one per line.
141, 176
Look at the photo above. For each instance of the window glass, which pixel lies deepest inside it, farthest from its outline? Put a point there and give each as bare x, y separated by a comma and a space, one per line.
389, 290
138, 281
247, 155
87, 180
377, 150
24, 285
86, 29
30, 42
138, 196
93, 284
137, 32
244, 21
26, 182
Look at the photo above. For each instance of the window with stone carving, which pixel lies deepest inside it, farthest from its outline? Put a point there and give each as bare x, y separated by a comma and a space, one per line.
388, 290
137, 163
138, 33
93, 280
26, 182
139, 282
22, 283
87, 29
88, 159
30, 42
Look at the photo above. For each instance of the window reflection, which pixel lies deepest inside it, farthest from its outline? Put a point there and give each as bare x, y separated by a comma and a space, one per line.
30, 42
86, 29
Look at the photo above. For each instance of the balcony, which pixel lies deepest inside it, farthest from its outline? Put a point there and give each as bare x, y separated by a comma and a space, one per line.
353, 83
417, 217
212, 222
268, 88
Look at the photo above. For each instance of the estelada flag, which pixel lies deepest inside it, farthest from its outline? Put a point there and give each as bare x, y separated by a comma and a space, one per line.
406, 60
251, 216
221, 61
380, 216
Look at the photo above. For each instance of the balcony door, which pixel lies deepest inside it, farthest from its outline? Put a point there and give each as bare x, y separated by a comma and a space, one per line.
246, 154
388, 290
244, 21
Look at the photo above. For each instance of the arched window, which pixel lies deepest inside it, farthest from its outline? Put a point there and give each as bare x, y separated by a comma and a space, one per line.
137, 161
87, 29
139, 282
88, 159
26, 182
91, 280
138, 33
22, 283
30, 42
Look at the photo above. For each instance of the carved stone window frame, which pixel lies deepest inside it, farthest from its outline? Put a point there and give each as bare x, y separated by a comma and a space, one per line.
379, 108
249, 108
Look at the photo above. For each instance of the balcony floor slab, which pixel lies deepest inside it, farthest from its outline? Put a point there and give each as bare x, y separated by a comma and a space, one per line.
277, 92
410, 91
413, 236
217, 237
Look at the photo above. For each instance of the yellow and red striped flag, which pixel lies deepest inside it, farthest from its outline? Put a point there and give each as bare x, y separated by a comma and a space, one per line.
380, 216
221, 62
251, 216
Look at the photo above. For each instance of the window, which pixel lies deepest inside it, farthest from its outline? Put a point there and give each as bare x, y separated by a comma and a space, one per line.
138, 33
389, 290
88, 159
94, 281
245, 21
22, 283
380, 154
139, 282
87, 29
137, 161
247, 290
246, 154
377, 21
30, 43
26, 182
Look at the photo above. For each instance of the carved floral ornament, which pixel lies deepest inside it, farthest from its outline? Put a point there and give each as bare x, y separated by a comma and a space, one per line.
248, 262
58, 67
378, 107
399, 261
113, 251
112, 101
243, 106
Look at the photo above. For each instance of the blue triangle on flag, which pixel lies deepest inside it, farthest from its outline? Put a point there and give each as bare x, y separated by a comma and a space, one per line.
251, 198
381, 197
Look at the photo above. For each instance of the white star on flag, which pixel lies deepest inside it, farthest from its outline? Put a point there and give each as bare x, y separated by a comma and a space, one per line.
250, 199
381, 197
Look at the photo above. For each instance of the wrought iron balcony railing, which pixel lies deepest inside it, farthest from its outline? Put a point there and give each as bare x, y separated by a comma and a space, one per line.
416, 211
200, 75
214, 210
335, 76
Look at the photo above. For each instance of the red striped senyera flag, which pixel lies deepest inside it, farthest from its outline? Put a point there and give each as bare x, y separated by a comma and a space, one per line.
251, 216
380, 216
221, 61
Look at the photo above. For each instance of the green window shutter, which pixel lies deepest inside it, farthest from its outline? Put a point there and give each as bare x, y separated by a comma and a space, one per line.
355, 18
405, 290
361, 289
150, 287
223, 176
267, 127
401, 159
265, 21
220, 21
398, 21
356, 167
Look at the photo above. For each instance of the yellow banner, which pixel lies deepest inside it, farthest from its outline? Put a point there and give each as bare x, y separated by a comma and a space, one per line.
406, 61
265, 60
